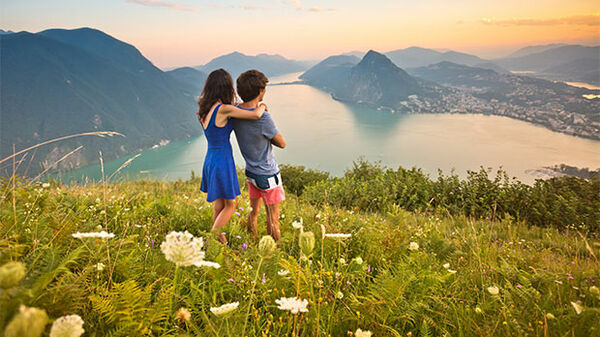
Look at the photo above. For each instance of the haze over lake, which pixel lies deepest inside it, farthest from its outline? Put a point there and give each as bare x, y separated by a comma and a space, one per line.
329, 135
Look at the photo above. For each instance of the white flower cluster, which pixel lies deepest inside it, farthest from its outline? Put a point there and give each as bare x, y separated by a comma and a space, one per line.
338, 235
361, 333
413, 246
208, 264
293, 304
225, 308
283, 272
183, 249
67, 326
99, 235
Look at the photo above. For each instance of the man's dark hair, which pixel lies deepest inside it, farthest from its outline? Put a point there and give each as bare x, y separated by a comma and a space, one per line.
250, 83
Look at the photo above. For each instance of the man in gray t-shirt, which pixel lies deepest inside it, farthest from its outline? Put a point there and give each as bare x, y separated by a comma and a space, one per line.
256, 139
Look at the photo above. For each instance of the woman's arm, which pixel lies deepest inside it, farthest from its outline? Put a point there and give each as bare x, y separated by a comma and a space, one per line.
231, 111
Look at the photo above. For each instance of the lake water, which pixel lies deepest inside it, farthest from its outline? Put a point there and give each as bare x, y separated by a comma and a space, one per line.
329, 135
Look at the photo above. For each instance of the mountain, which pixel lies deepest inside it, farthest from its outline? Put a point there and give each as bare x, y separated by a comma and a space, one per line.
4, 32
62, 82
534, 49
417, 57
330, 73
236, 63
566, 62
459, 75
549, 58
191, 77
376, 81
582, 70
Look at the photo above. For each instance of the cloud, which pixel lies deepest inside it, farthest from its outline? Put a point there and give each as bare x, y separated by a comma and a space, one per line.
576, 20
296, 4
319, 9
254, 8
164, 3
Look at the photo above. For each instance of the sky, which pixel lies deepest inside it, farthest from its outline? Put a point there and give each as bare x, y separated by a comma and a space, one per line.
191, 32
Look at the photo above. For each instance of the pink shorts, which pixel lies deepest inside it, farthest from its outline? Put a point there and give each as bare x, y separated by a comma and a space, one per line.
270, 197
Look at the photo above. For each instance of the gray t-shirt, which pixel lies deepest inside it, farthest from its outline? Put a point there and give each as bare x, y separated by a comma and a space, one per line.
254, 139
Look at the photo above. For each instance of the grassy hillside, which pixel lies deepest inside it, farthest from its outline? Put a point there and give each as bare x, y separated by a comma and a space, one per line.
376, 280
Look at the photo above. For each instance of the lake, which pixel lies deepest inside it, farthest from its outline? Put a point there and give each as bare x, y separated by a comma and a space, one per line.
329, 135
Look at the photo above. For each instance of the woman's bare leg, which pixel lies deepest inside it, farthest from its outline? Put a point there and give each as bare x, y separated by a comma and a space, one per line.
218, 207
223, 217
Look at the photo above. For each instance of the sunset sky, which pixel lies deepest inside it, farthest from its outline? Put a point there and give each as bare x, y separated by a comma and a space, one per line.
191, 32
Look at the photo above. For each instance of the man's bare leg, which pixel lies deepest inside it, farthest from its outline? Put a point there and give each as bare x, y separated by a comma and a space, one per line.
252, 225
273, 220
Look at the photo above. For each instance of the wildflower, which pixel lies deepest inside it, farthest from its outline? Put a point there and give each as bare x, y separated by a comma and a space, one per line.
358, 260
550, 316
263, 279
230, 280
237, 213
361, 333
446, 265
28, 322
283, 272
266, 246
368, 268
100, 266
339, 295
318, 216
452, 271
67, 326
183, 249
338, 235
493, 290
298, 225
11, 274
578, 308
307, 243
293, 304
342, 260
244, 246
478, 310
183, 314
208, 264
595, 291
237, 236
99, 235
45, 185
224, 309
413, 246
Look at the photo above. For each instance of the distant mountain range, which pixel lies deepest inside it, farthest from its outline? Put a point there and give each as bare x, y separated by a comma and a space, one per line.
236, 63
450, 87
61, 82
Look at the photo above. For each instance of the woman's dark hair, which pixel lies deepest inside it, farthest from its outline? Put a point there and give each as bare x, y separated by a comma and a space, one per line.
218, 87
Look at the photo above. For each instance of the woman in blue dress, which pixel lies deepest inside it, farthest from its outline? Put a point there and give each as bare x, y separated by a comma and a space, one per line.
219, 176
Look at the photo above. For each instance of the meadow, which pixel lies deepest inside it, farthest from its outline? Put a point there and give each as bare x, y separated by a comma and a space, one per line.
354, 259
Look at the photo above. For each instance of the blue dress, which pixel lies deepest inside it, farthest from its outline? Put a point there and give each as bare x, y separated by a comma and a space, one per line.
219, 177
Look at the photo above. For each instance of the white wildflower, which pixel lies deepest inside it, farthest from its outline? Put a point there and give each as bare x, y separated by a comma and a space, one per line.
578, 308
338, 235
224, 309
358, 260
446, 265
208, 264
478, 310
67, 326
283, 272
293, 304
339, 295
45, 185
452, 271
183, 249
550, 316
413, 246
298, 224
100, 266
361, 333
342, 260
99, 235
493, 290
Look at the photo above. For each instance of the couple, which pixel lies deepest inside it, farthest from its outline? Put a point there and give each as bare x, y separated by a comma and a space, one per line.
256, 133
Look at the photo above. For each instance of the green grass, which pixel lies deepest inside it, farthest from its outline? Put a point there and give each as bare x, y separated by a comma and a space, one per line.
394, 292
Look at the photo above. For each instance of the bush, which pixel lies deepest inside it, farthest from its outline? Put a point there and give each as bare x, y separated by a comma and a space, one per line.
296, 178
